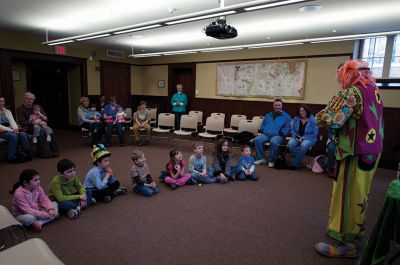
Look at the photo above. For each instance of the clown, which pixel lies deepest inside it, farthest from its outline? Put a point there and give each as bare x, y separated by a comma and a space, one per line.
356, 115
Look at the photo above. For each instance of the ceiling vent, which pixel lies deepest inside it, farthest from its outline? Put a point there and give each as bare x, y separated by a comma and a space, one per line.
114, 53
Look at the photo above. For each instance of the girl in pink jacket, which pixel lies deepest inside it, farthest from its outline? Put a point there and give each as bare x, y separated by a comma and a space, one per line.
30, 205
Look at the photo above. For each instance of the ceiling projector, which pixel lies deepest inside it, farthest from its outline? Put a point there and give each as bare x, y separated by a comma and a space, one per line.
220, 30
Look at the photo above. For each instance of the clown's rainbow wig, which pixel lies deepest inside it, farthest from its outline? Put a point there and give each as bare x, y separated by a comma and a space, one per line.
353, 72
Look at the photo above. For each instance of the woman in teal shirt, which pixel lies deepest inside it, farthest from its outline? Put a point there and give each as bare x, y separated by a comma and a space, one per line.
179, 102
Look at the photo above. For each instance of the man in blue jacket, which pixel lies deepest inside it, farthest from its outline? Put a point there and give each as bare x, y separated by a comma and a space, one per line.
275, 127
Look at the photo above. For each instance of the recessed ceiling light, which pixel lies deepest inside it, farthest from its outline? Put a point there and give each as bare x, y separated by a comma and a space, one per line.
268, 38
333, 30
310, 8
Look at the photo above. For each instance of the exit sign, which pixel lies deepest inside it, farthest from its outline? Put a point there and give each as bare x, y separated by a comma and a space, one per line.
60, 50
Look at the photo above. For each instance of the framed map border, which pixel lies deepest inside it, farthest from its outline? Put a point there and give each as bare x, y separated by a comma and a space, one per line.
302, 90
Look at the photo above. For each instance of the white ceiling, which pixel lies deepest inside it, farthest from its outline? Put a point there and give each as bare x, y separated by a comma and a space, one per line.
77, 17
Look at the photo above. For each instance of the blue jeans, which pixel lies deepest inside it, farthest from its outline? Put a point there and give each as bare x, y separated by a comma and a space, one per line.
120, 130
298, 150
67, 205
204, 180
331, 148
274, 143
146, 191
13, 141
212, 174
242, 176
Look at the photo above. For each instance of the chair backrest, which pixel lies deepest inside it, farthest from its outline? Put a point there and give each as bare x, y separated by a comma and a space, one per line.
214, 125
235, 119
249, 126
166, 120
199, 115
6, 218
259, 119
218, 114
152, 112
189, 123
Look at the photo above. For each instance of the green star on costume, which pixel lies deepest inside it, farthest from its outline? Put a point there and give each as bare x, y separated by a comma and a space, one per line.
370, 157
373, 109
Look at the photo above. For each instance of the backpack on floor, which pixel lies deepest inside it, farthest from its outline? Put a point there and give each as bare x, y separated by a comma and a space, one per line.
319, 164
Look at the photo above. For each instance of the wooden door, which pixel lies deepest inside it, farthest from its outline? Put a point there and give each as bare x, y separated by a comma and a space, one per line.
186, 75
116, 81
49, 82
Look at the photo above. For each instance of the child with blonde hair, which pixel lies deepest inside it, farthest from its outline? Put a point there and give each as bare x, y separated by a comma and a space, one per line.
140, 175
177, 177
198, 166
30, 205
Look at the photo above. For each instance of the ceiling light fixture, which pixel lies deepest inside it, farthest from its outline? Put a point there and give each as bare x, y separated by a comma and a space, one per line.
94, 37
201, 17
274, 4
61, 42
310, 8
137, 29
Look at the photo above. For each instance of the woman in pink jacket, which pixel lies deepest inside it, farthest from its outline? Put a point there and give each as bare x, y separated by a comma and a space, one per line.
30, 205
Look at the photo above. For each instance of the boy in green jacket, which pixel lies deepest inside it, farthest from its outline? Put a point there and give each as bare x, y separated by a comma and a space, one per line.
68, 191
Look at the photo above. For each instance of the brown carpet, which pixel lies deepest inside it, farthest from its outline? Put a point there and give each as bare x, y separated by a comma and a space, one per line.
276, 220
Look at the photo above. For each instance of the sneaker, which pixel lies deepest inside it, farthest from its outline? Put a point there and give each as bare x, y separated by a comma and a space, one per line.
34, 140
260, 161
72, 213
120, 191
37, 226
271, 164
174, 186
48, 138
107, 198
347, 250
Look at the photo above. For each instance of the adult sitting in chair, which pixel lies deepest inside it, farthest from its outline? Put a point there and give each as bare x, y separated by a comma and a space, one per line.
141, 119
304, 136
275, 127
110, 113
23, 113
10, 132
89, 120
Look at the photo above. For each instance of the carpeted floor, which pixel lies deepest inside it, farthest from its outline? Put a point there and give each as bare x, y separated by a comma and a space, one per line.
276, 220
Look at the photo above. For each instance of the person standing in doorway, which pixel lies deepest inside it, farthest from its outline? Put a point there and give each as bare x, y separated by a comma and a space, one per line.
179, 102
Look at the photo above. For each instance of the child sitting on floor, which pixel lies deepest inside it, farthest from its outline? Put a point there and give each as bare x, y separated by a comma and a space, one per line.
177, 177
140, 175
198, 166
30, 205
221, 166
245, 167
100, 182
68, 191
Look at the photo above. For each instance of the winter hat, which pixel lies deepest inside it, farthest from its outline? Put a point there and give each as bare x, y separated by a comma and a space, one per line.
98, 152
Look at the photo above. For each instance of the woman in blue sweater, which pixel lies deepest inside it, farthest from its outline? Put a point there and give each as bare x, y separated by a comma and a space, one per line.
304, 135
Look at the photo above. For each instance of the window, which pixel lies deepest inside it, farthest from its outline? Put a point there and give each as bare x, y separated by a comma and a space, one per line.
374, 53
395, 62
383, 57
